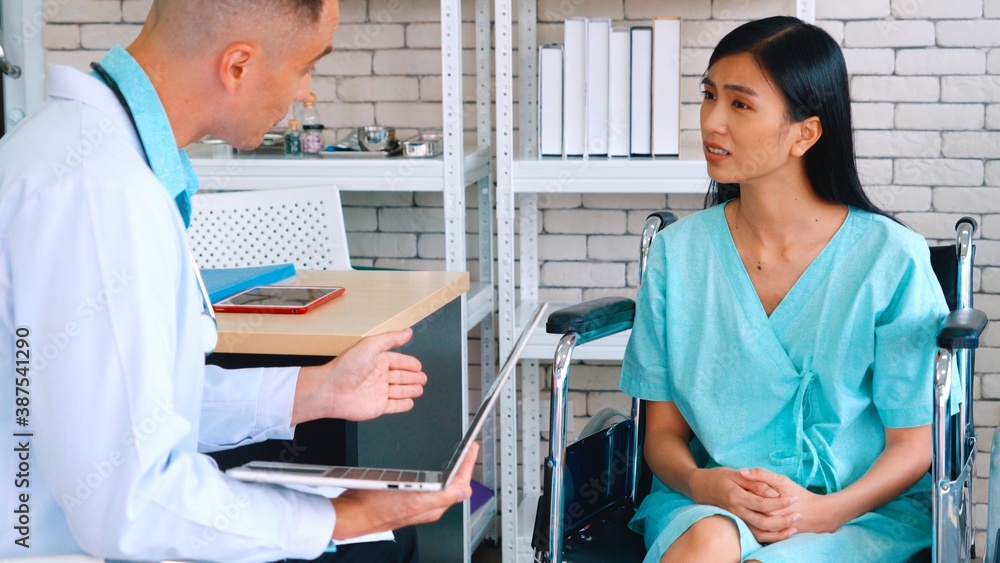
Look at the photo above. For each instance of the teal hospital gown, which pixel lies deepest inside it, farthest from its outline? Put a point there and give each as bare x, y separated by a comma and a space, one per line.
807, 392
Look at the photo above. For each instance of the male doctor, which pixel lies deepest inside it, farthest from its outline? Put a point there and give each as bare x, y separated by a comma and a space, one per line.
107, 400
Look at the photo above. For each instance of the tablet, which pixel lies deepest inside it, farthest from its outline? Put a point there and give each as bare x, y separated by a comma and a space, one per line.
292, 300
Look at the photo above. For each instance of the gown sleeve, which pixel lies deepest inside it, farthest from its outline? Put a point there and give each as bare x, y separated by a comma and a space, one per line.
905, 345
644, 368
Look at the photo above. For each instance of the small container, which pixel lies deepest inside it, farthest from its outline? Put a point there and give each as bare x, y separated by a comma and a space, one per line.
310, 116
427, 145
377, 138
312, 139
312, 129
293, 139
221, 149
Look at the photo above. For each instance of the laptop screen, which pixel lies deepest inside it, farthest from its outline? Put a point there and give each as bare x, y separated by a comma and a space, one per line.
490, 398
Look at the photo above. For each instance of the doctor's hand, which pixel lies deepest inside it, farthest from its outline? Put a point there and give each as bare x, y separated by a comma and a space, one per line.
816, 512
368, 512
769, 515
365, 382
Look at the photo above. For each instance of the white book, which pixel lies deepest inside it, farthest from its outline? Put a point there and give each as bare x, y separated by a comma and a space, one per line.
620, 93
598, 52
666, 86
575, 87
642, 91
550, 100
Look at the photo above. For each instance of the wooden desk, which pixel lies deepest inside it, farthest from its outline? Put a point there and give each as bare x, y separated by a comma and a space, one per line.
373, 302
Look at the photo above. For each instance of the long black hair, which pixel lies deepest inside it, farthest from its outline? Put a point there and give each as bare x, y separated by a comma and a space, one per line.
806, 65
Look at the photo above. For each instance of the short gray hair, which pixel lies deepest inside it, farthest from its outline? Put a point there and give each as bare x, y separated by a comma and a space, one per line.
195, 23
306, 10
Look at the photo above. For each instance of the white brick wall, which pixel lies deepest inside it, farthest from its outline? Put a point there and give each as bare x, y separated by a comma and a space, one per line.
852, 10
888, 33
895, 88
939, 117
940, 61
925, 82
872, 115
937, 9
869, 61
978, 33
81, 11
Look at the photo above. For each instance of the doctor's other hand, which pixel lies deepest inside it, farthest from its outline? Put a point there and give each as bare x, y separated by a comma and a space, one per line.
770, 515
365, 382
369, 512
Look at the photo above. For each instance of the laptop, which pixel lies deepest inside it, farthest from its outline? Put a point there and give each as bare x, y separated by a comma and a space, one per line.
377, 478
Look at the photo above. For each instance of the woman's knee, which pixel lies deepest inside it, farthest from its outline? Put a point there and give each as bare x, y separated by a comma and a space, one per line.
715, 538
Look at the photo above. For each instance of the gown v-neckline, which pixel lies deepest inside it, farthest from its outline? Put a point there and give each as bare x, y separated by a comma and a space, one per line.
802, 289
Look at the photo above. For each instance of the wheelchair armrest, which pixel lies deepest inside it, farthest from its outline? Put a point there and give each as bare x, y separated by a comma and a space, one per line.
593, 319
961, 329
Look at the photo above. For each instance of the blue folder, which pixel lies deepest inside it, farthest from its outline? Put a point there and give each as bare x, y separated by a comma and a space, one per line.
226, 282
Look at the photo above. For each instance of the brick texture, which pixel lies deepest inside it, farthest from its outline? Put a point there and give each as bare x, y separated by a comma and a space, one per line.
925, 82
889, 33
59, 37
974, 33
936, 9
939, 117
852, 9
940, 61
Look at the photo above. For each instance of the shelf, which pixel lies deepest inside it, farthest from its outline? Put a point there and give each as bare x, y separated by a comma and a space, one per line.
542, 345
478, 304
604, 175
480, 522
252, 172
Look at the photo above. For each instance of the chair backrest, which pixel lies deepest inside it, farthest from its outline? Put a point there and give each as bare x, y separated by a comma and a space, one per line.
597, 476
304, 226
944, 260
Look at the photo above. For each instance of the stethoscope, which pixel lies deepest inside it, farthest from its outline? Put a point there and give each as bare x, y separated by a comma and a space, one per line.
209, 325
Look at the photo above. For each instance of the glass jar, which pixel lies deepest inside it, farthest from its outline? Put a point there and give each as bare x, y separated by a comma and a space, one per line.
293, 139
312, 139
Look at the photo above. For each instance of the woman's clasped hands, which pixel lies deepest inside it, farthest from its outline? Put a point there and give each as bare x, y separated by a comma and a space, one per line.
773, 506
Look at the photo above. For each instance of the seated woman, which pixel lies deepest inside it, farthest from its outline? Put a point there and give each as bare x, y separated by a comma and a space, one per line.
785, 337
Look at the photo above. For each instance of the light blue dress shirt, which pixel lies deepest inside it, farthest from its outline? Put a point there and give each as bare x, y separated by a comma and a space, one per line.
170, 164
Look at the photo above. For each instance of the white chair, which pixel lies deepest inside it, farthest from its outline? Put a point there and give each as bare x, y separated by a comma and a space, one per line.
304, 226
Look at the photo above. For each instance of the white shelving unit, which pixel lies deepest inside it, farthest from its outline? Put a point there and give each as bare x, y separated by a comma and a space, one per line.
250, 172
21, 95
521, 176
458, 167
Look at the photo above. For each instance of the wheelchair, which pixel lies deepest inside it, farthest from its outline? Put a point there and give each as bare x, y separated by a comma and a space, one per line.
592, 487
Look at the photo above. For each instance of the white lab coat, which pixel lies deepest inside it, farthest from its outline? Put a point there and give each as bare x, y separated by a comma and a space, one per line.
94, 264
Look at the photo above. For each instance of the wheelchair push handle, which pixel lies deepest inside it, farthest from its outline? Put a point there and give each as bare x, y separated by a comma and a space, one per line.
655, 222
970, 221
663, 217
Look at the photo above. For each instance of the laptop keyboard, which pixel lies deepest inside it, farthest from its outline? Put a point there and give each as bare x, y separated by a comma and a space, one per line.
390, 475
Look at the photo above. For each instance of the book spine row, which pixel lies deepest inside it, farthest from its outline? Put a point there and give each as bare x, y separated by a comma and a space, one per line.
611, 91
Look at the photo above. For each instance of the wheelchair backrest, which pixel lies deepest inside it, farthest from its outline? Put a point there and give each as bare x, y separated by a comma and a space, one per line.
944, 260
597, 477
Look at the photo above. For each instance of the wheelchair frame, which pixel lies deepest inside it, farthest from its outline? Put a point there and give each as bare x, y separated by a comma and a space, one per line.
954, 437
